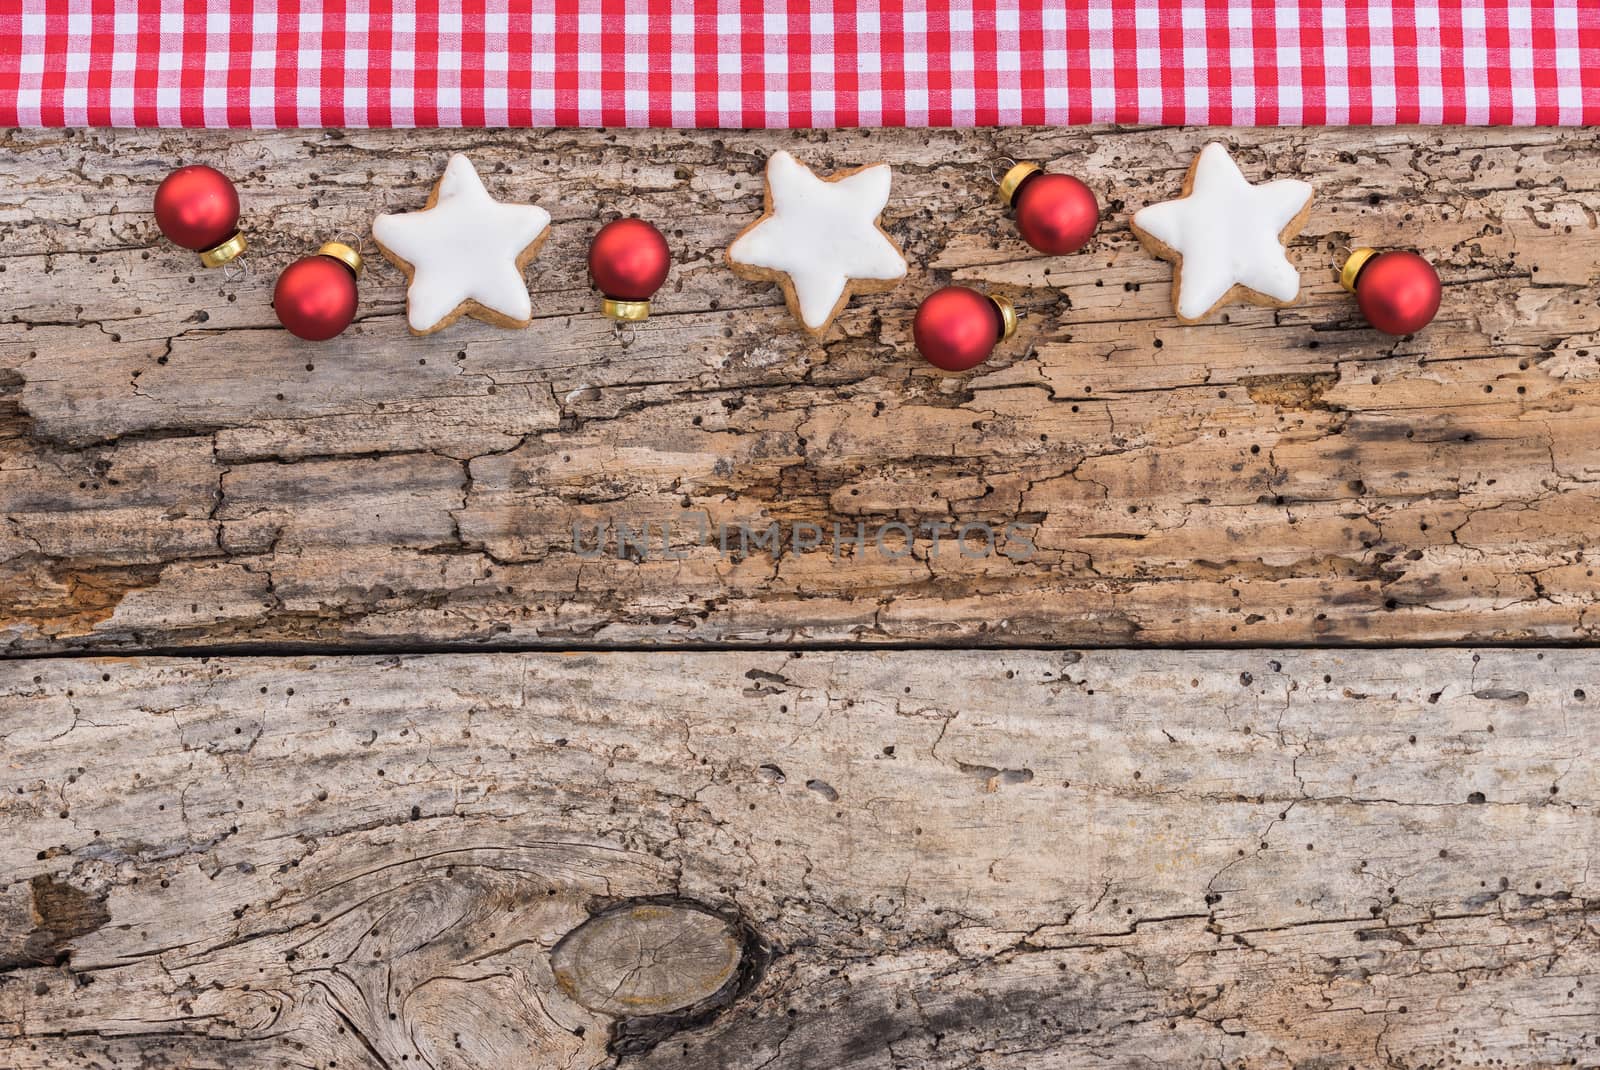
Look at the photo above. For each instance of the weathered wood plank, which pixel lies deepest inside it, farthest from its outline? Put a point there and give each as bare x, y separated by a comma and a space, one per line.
175, 470
1362, 859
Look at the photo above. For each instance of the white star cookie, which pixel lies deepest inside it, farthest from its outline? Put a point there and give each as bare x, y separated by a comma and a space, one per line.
819, 239
464, 253
1225, 234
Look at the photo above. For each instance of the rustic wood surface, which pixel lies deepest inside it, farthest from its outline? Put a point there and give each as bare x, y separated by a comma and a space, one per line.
176, 471
796, 860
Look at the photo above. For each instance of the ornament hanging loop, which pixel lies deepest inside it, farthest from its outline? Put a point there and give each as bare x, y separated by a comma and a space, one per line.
994, 176
353, 240
1351, 271
236, 270
1012, 181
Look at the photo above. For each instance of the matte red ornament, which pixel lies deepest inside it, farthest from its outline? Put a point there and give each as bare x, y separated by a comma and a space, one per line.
316, 295
198, 208
628, 261
956, 328
1056, 214
1398, 291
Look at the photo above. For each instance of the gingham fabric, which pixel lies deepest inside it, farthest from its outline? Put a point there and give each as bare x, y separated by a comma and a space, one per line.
780, 63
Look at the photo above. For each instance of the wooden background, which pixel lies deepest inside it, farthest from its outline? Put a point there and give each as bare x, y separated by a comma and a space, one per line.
459, 809
181, 473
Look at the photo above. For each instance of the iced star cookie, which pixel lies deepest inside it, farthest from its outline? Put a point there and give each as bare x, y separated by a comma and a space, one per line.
1226, 236
819, 239
464, 253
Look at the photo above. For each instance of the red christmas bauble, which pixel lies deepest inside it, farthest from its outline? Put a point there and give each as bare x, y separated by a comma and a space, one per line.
957, 328
1398, 292
197, 207
315, 297
1056, 214
628, 260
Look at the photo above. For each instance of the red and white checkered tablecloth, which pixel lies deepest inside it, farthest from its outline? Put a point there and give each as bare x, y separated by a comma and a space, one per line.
782, 63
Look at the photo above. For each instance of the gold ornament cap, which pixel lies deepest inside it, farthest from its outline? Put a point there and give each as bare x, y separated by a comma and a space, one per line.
220, 254
627, 311
342, 253
1008, 316
1014, 178
1352, 267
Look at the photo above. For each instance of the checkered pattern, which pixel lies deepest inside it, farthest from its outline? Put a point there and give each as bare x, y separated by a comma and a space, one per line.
784, 63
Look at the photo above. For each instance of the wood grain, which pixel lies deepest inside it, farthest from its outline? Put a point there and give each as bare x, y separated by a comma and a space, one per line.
176, 471
928, 860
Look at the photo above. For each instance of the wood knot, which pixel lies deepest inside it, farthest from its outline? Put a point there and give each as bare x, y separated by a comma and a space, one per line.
644, 959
